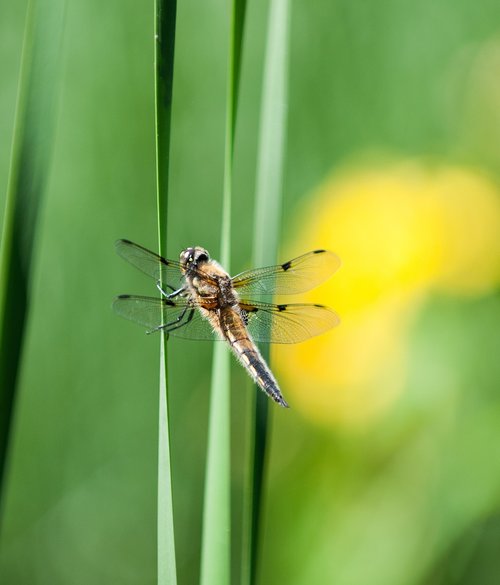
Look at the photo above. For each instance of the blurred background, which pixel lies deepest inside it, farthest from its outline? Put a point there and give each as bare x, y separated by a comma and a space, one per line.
386, 470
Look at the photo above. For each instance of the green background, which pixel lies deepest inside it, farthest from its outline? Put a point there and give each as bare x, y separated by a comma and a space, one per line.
405, 503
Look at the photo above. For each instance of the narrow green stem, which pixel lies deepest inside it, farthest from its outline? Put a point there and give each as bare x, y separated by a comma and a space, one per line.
266, 239
216, 538
165, 19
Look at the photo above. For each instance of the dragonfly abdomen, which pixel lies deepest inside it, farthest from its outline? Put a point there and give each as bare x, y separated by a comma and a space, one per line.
251, 359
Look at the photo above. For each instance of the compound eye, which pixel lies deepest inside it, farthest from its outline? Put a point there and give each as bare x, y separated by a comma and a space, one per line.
202, 258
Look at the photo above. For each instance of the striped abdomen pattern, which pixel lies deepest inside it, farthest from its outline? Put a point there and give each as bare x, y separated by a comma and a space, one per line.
242, 345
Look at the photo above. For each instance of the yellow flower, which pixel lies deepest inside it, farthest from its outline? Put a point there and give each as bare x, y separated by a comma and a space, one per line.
469, 219
401, 231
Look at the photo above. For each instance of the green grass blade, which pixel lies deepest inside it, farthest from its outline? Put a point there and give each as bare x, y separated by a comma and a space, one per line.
235, 46
266, 239
29, 169
272, 136
167, 570
165, 19
216, 538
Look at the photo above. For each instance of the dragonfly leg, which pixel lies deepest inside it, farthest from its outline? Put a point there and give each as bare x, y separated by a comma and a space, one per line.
176, 323
176, 292
169, 295
164, 293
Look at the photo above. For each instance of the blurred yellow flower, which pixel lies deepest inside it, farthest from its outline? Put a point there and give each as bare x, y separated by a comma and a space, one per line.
401, 231
469, 219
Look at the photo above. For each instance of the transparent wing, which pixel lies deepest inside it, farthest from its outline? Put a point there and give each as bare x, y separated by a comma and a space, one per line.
180, 317
291, 323
168, 271
292, 277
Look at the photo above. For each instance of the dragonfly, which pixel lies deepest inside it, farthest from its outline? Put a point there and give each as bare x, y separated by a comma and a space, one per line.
199, 300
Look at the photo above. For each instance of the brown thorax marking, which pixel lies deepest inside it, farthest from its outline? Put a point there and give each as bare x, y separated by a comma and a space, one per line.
208, 282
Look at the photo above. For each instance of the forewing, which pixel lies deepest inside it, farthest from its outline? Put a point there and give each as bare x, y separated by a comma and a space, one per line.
180, 317
166, 271
292, 277
290, 323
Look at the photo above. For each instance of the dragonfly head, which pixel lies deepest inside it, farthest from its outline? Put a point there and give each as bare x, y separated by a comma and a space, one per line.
190, 258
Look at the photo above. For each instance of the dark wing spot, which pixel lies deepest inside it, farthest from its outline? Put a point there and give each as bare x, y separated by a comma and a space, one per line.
286, 265
168, 302
319, 251
123, 296
320, 306
281, 307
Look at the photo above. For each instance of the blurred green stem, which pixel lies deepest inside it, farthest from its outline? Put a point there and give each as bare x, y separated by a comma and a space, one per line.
29, 169
265, 249
216, 538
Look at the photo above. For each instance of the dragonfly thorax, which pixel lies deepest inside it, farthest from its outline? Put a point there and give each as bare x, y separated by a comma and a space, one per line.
227, 296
